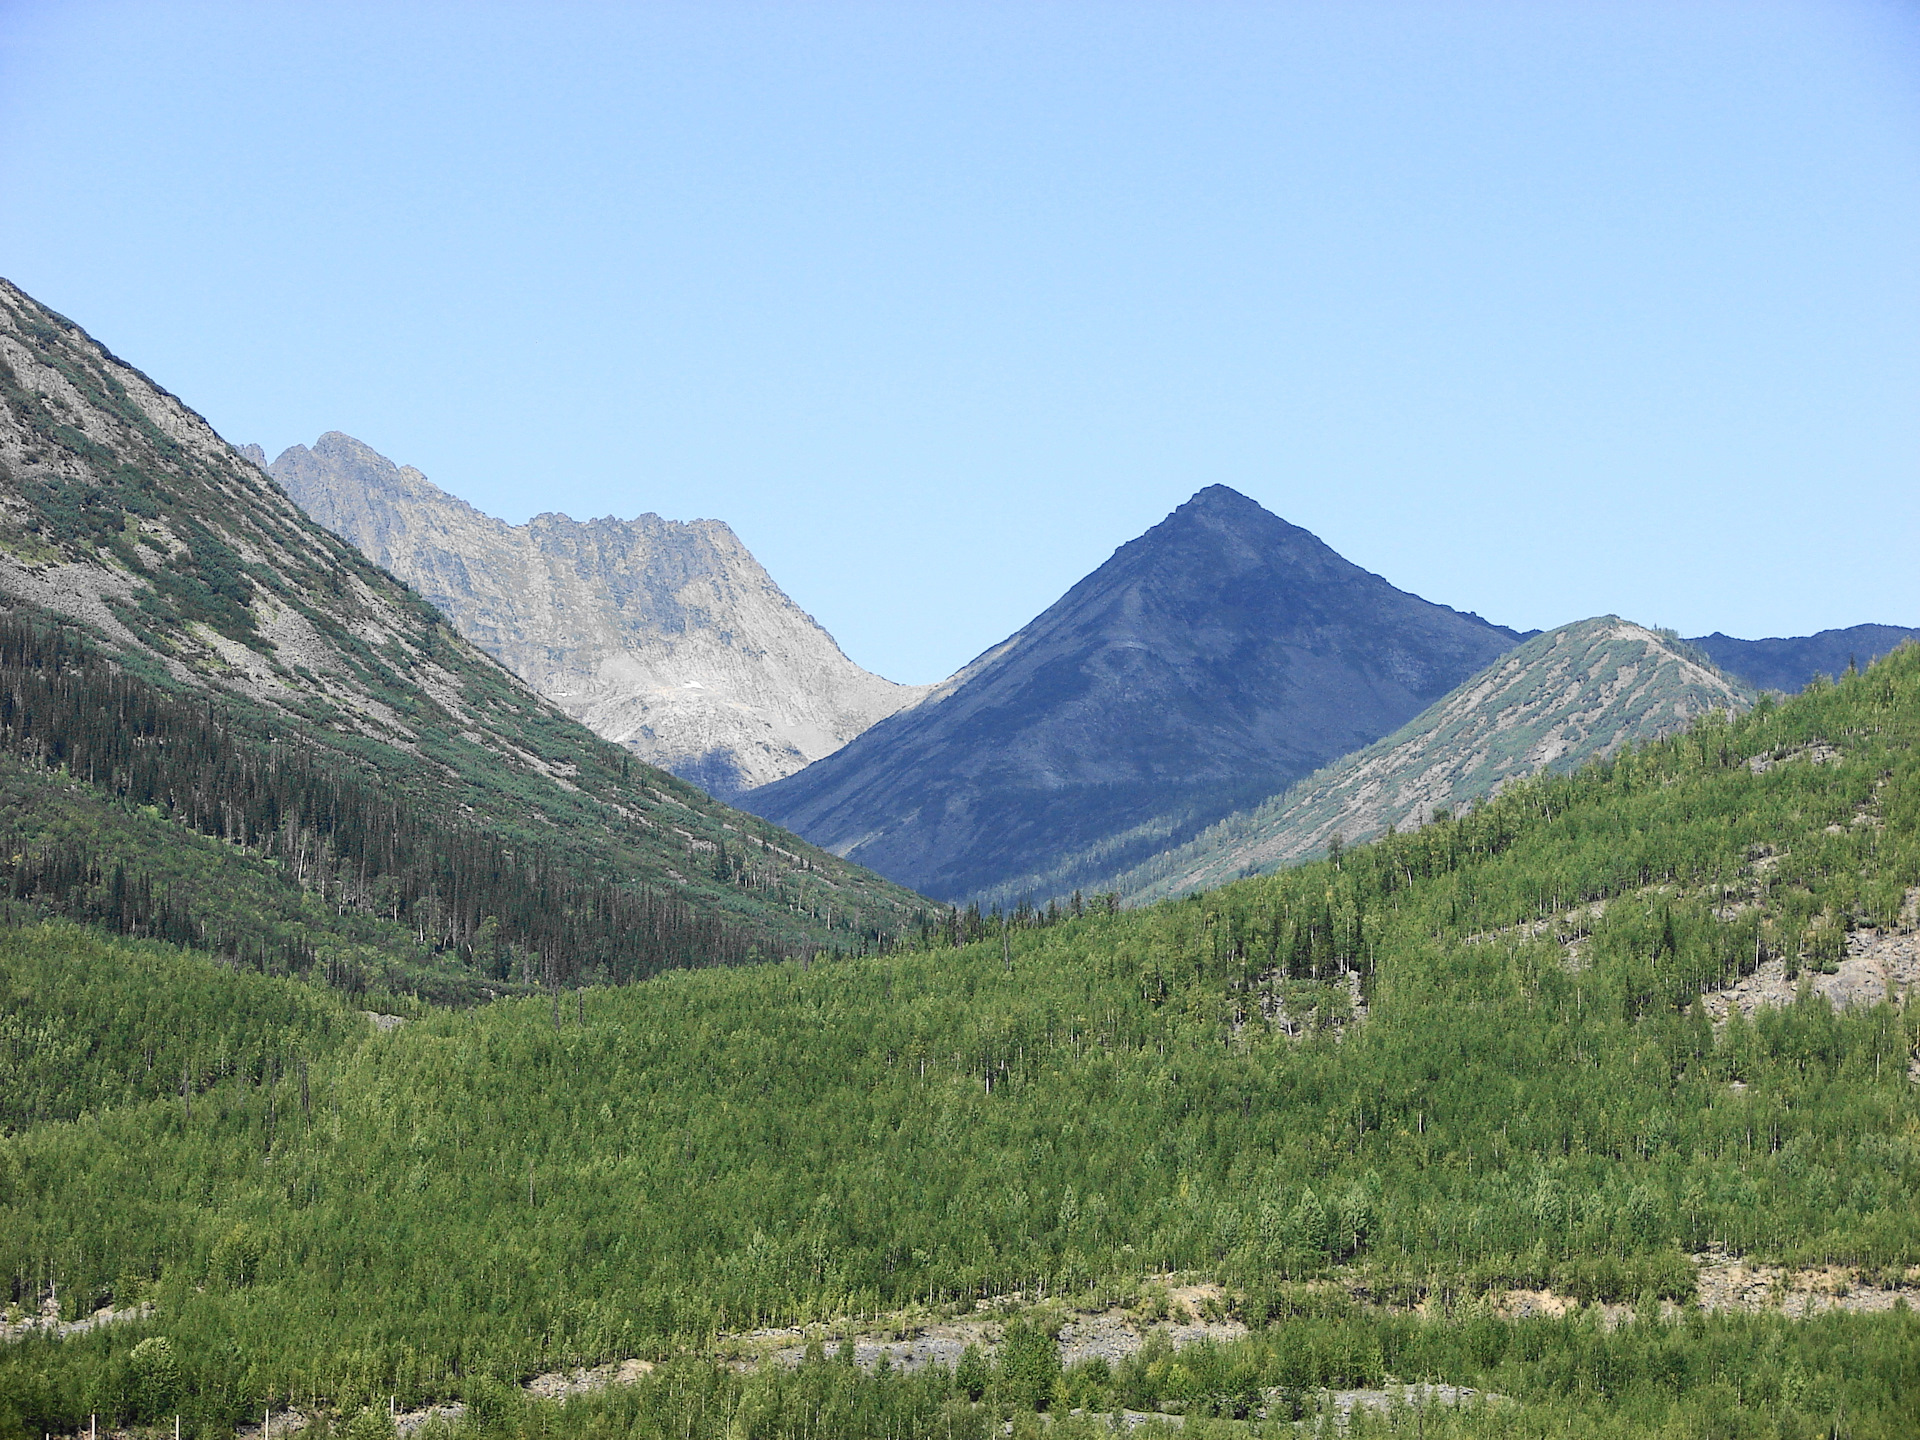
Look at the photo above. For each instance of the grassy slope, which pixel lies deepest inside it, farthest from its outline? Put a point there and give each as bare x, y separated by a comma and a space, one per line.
483, 1192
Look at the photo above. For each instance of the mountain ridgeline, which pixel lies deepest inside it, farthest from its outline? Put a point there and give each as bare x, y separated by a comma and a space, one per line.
666, 638
1207, 665
189, 655
1557, 702
1788, 663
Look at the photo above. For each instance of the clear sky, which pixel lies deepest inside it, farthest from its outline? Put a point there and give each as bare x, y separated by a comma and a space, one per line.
1539, 309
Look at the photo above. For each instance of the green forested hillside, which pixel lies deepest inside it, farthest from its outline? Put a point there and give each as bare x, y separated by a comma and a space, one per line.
161, 817
1416, 1075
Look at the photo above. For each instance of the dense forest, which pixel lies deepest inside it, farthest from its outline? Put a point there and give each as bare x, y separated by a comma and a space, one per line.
1368, 1095
327, 841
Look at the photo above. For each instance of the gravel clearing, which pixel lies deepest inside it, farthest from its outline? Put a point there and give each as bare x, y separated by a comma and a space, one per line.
48, 1321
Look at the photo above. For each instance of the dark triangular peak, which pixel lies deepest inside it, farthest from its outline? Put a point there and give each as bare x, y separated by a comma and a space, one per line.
1225, 507
1220, 521
1218, 657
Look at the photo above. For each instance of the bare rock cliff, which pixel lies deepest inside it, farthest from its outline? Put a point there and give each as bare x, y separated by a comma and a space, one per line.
665, 637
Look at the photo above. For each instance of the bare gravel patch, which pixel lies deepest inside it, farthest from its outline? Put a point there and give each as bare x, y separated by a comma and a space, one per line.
1730, 1282
48, 1321
559, 1384
1878, 965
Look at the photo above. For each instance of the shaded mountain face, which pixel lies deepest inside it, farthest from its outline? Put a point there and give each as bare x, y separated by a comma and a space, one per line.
664, 637
1206, 665
126, 522
1563, 698
1789, 663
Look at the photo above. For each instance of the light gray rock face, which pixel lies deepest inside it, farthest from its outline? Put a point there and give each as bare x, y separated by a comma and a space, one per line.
665, 637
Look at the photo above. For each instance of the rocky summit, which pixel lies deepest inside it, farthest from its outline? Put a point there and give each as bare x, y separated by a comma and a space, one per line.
664, 637
1208, 664
1572, 695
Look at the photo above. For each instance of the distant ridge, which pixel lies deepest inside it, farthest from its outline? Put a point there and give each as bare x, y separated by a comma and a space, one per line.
1563, 698
665, 637
1206, 665
1787, 664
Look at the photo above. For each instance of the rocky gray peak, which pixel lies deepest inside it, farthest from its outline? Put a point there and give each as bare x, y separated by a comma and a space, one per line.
666, 637
1208, 664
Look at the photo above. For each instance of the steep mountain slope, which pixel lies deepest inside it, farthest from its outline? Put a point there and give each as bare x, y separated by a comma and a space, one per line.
1787, 663
1207, 664
127, 523
664, 637
1561, 699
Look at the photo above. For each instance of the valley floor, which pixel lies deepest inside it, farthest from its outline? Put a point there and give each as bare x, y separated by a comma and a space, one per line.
1168, 1315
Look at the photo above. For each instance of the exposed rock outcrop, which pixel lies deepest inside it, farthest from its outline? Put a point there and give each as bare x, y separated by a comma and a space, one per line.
665, 637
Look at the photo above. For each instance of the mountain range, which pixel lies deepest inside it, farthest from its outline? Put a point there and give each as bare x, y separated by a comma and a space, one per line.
1191, 681
1323, 1140
663, 637
1787, 664
308, 709
1587, 1107
1207, 665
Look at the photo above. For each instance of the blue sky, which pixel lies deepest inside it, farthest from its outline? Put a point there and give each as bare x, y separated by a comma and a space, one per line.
1541, 310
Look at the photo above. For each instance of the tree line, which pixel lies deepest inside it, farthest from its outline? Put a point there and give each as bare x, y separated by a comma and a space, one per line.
508, 911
